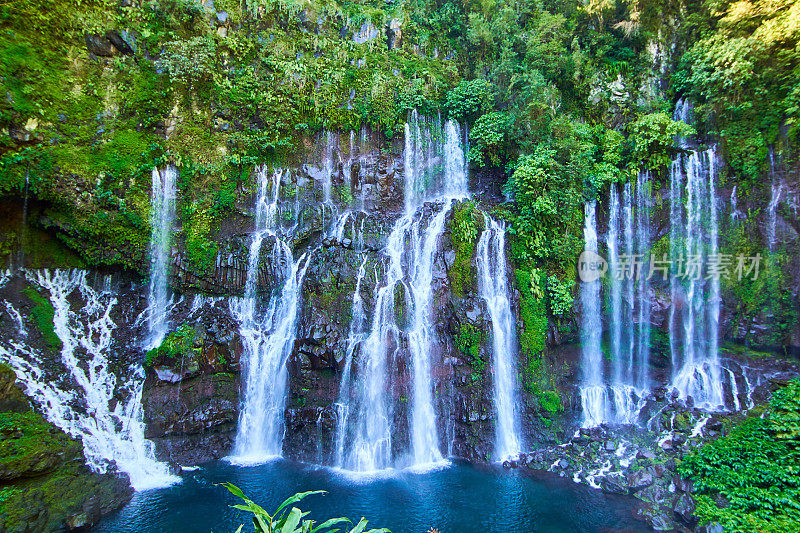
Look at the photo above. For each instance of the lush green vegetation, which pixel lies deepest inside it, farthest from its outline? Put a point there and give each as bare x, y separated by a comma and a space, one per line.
469, 340
43, 314
563, 96
749, 480
176, 345
465, 225
292, 520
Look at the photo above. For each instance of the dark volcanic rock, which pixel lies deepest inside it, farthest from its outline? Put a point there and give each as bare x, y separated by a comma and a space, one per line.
684, 509
640, 479
191, 403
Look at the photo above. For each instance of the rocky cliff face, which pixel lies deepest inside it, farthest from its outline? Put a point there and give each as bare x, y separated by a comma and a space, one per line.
192, 391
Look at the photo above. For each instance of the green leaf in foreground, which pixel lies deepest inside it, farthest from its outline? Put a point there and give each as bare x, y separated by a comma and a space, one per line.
281, 522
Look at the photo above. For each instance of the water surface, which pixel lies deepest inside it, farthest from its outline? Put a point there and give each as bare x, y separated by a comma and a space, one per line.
459, 498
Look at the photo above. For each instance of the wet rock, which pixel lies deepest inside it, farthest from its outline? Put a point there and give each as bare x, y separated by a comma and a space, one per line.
654, 494
684, 509
167, 374
645, 453
640, 479
115, 38
99, 45
683, 485
661, 522
614, 484
714, 527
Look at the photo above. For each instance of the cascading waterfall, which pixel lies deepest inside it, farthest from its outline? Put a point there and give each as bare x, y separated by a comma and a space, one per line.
594, 395
493, 288
162, 218
356, 336
87, 399
694, 316
366, 440
268, 335
627, 301
776, 189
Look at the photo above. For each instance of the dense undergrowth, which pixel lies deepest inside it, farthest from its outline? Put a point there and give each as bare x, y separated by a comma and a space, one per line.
749, 480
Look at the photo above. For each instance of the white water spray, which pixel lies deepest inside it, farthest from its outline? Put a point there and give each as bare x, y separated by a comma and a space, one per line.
161, 219
493, 288
88, 400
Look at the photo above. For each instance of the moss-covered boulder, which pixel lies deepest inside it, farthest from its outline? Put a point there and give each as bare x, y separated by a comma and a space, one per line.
45, 484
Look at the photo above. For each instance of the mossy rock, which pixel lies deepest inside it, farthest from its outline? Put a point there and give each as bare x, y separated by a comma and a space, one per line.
46, 483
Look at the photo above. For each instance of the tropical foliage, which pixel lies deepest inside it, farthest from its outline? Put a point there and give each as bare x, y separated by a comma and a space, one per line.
292, 520
749, 480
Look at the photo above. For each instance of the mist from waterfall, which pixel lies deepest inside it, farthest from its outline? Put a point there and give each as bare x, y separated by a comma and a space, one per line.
88, 397
162, 217
493, 289
268, 334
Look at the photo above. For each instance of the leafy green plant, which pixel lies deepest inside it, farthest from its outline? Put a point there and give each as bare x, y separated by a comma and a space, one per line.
177, 344
488, 135
559, 295
749, 480
653, 137
286, 520
467, 99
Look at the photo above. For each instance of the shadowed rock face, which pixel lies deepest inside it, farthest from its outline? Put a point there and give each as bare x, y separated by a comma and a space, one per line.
191, 399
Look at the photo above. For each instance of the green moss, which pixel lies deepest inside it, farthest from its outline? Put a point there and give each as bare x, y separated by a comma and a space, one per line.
465, 224
550, 401
532, 312
27, 441
174, 347
469, 340
43, 314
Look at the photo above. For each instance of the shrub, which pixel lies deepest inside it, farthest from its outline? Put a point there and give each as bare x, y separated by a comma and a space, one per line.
755, 470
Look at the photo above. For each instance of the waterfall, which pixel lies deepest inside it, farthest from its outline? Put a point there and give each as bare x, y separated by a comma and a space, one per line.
735, 213
594, 395
642, 356
268, 335
161, 219
328, 168
356, 336
410, 250
628, 302
776, 189
493, 288
694, 316
84, 397
421, 339
265, 224
456, 183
